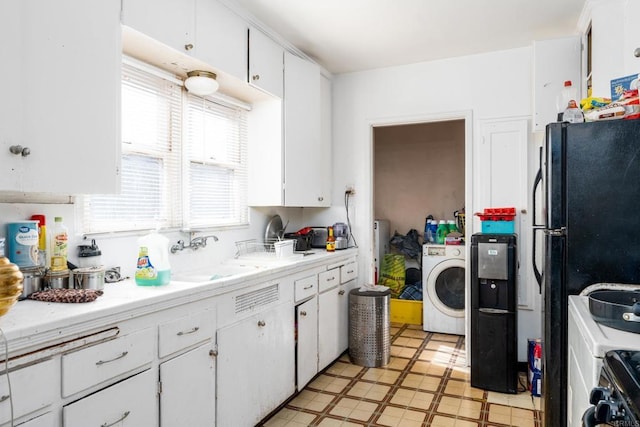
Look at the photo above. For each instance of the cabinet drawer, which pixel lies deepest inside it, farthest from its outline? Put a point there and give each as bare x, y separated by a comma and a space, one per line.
305, 287
328, 279
32, 388
129, 403
348, 272
90, 366
184, 332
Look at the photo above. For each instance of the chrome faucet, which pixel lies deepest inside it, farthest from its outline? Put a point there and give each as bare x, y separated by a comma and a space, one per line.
195, 243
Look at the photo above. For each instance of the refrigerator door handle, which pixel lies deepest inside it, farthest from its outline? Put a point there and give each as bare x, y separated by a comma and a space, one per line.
536, 227
493, 311
536, 183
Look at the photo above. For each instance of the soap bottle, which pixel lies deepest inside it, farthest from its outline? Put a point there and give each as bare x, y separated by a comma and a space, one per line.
427, 230
59, 245
442, 232
567, 94
433, 228
153, 267
451, 226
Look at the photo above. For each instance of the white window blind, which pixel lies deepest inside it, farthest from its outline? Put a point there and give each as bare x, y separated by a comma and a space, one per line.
215, 164
183, 160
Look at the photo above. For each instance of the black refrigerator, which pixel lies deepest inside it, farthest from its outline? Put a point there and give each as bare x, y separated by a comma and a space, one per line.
591, 177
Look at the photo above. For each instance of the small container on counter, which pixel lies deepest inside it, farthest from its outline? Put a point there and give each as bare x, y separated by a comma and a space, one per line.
89, 255
88, 278
32, 280
57, 279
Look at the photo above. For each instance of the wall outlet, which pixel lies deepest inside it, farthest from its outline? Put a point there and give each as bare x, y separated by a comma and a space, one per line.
350, 189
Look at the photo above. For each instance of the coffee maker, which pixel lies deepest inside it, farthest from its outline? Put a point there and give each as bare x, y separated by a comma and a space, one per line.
341, 233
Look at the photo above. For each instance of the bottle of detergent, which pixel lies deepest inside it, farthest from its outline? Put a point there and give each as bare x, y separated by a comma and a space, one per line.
153, 260
433, 231
441, 232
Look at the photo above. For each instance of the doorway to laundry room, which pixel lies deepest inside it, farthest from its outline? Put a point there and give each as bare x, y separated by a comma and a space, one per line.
419, 172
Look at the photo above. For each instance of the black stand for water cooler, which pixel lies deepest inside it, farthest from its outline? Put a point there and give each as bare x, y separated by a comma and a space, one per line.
494, 355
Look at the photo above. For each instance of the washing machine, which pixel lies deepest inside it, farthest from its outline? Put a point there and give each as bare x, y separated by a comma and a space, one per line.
443, 288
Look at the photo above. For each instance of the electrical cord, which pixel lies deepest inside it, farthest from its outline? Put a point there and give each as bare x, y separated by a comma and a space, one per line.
347, 194
6, 372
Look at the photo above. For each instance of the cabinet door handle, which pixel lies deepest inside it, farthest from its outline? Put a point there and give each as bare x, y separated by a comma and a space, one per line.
349, 271
213, 353
331, 279
190, 331
303, 313
320, 198
261, 323
341, 292
125, 415
3, 398
255, 77
188, 46
102, 362
308, 287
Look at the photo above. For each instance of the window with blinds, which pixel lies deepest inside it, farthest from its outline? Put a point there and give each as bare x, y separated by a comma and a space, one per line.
184, 160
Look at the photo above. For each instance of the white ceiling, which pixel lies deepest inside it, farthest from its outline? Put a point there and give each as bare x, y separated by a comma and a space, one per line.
353, 35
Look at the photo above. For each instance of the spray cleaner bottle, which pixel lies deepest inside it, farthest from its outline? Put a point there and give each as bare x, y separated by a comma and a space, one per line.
153, 260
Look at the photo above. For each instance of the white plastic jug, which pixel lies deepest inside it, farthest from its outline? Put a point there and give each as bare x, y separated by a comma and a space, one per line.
153, 260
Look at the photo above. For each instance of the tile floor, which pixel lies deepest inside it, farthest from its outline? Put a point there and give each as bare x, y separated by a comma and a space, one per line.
425, 384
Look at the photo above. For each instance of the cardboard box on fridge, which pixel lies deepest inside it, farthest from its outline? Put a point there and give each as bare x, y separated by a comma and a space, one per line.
622, 84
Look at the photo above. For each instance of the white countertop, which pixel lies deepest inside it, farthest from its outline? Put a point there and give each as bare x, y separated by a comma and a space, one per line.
31, 324
600, 338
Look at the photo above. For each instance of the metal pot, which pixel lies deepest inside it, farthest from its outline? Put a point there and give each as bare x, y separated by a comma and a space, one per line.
32, 280
57, 279
619, 309
88, 278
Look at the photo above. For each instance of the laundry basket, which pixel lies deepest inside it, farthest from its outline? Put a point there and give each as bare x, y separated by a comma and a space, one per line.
369, 342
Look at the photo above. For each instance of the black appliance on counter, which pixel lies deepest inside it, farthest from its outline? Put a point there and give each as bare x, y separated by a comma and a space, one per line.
494, 332
591, 231
616, 400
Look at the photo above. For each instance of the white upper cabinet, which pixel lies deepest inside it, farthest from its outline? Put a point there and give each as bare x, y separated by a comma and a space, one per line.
306, 161
221, 38
265, 63
171, 22
61, 97
555, 61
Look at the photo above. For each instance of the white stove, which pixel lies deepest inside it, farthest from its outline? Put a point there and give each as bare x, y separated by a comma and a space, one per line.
588, 343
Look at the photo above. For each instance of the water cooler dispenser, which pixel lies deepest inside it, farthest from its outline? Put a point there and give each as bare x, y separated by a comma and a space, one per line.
494, 355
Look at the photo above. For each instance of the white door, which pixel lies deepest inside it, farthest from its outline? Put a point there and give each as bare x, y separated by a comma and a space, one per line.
307, 348
328, 321
187, 396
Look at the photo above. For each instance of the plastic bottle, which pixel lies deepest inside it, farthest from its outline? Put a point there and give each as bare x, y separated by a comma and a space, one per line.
451, 226
427, 230
573, 114
331, 240
567, 94
59, 245
42, 239
442, 232
153, 260
433, 226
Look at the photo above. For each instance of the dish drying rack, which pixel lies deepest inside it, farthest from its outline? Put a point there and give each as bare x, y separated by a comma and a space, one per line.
265, 249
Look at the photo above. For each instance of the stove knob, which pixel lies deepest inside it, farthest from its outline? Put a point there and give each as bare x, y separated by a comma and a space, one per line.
597, 394
607, 411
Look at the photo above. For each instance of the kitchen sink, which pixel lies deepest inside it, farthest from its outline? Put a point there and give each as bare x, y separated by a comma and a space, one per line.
215, 273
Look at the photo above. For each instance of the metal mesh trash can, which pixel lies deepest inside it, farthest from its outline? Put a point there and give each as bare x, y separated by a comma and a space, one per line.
369, 343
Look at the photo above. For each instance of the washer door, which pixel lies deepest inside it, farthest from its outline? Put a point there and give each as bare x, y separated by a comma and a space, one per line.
446, 287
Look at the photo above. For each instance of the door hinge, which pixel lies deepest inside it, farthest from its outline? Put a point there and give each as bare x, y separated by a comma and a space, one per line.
159, 387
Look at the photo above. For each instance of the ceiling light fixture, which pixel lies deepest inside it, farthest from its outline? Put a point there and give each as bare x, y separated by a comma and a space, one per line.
201, 83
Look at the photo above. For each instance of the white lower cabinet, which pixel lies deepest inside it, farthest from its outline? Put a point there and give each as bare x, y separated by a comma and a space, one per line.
32, 388
307, 344
132, 402
44, 420
255, 371
187, 391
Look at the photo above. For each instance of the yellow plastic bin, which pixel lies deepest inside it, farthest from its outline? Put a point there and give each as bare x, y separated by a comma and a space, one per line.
405, 311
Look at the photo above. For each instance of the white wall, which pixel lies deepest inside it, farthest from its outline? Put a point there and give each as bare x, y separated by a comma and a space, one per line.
493, 85
122, 250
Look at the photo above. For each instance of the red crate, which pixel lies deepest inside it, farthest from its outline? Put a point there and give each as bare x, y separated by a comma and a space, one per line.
497, 214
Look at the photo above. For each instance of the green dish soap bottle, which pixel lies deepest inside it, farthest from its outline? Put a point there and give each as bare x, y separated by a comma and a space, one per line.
153, 267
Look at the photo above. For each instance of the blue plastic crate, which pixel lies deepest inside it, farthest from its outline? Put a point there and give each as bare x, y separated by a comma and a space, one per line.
498, 227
